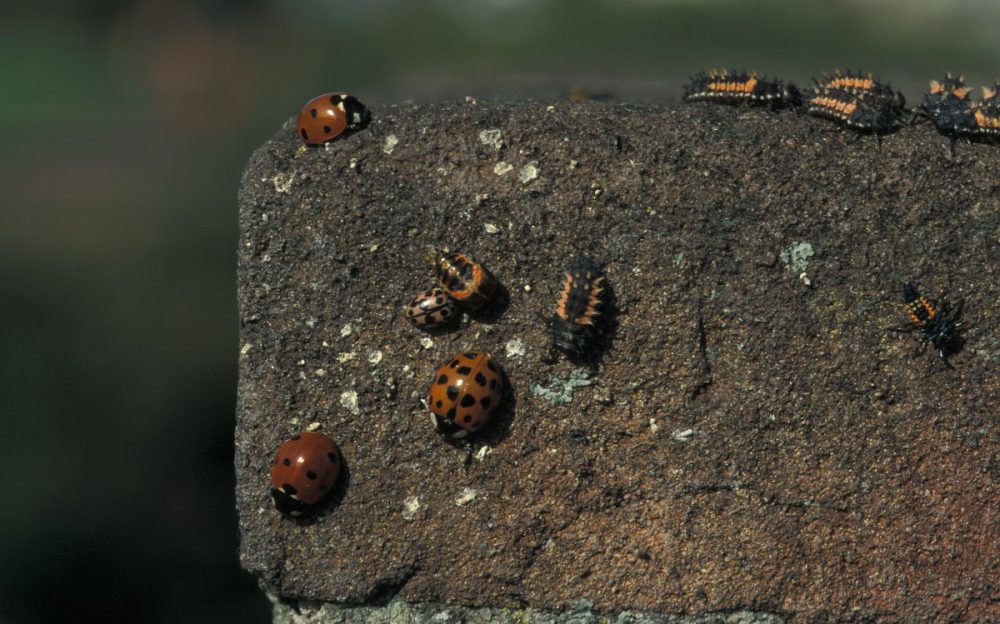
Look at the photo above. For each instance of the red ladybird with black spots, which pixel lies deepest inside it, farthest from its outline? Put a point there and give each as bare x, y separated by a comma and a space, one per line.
306, 467
328, 116
465, 394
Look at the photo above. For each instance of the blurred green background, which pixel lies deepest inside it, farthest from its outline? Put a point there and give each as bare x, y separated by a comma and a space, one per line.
124, 127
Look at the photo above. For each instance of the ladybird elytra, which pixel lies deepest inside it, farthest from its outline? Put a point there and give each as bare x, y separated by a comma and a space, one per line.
305, 469
465, 394
466, 281
328, 116
431, 309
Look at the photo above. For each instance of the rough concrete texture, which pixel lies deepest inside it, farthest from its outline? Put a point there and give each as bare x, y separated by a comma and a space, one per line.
399, 612
752, 439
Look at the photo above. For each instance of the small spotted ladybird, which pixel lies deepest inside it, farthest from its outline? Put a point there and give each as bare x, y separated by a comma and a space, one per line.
306, 467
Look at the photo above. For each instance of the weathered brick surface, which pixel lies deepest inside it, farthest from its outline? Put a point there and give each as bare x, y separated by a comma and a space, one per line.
753, 439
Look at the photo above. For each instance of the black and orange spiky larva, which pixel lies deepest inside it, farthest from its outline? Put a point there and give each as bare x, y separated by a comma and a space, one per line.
948, 106
867, 112
937, 323
860, 83
987, 113
731, 87
574, 324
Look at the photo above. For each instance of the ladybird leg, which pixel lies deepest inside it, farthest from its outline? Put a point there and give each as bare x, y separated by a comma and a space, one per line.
958, 310
951, 144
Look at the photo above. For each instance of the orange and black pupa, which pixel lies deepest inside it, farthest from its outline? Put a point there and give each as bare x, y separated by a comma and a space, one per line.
731, 87
947, 105
987, 113
466, 281
574, 326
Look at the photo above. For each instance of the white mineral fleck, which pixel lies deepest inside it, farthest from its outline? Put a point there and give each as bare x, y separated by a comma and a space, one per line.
391, 142
466, 496
529, 172
411, 505
283, 182
492, 137
515, 348
683, 436
349, 401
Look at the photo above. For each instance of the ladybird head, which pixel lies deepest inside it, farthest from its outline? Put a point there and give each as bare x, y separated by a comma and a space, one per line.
358, 115
286, 501
447, 428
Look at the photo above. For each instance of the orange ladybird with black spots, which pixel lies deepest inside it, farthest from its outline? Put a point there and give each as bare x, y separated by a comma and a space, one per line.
465, 394
431, 309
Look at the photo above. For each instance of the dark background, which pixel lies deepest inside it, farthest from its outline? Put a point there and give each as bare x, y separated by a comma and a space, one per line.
124, 127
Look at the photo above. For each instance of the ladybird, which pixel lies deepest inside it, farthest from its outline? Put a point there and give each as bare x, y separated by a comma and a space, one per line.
948, 106
306, 467
987, 113
431, 309
874, 112
730, 87
330, 115
580, 301
465, 394
938, 324
465, 280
